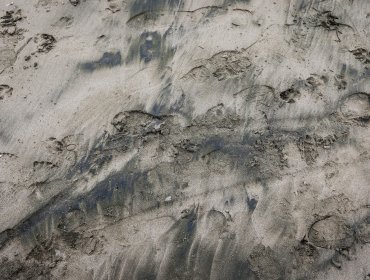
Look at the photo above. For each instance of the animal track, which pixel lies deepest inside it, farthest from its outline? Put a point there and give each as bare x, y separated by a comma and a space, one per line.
223, 65
188, 145
356, 108
45, 42
65, 21
58, 146
327, 20
137, 122
290, 95
114, 6
362, 55
228, 64
74, 2
309, 145
340, 82
218, 117
9, 155
5, 91
11, 18
201, 73
43, 164
331, 233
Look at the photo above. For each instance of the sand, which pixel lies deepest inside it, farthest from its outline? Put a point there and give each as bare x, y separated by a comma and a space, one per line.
180, 139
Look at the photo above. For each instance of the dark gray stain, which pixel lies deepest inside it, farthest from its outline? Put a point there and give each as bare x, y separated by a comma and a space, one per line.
232, 2
151, 6
128, 189
157, 109
183, 233
178, 105
365, 75
147, 47
252, 203
131, 190
108, 60
147, 269
230, 264
150, 46
116, 191
217, 258
122, 188
303, 5
94, 159
160, 107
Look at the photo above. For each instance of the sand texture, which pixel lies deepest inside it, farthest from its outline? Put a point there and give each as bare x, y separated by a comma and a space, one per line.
185, 139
